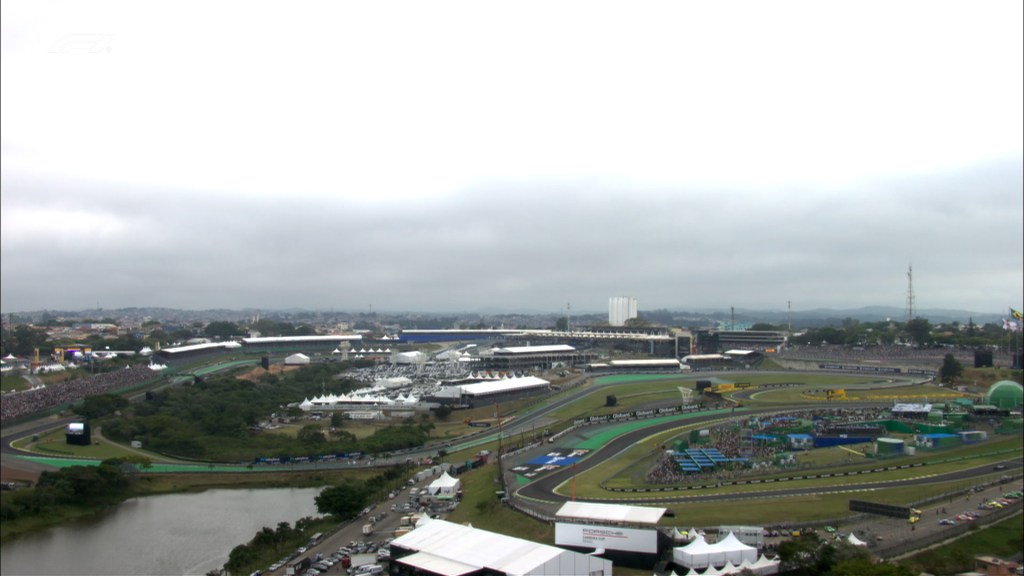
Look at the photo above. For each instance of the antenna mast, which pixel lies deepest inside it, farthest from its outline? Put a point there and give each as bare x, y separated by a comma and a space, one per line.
910, 293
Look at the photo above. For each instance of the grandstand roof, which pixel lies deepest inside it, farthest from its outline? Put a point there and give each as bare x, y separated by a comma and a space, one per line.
553, 348
293, 339
195, 347
499, 386
925, 408
646, 362
609, 513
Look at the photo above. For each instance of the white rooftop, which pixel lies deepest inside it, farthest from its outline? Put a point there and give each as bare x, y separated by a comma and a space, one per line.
282, 339
645, 362
450, 548
610, 512
507, 385
535, 349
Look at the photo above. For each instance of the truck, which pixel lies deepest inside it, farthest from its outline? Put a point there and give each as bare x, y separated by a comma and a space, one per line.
298, 567
367, 529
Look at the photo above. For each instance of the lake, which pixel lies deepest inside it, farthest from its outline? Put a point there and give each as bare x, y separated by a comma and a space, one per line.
189, 533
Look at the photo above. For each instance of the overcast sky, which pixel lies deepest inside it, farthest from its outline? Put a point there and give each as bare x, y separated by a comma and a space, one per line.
453, 156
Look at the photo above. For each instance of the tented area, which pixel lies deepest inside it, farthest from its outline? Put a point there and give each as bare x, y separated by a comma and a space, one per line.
442, 547
296, 360
700, 554
761, 567
444, 486
855, 541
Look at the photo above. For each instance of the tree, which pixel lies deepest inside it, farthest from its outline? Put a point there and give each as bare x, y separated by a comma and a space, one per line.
562, 324
157, 336
23, 340
311, 434
222, 329
860, 566
919, 330
807, 554
951, 369
337, 420
344, 500
443, 412
100, 405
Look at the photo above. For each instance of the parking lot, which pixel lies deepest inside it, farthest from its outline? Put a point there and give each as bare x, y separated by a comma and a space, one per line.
384, 520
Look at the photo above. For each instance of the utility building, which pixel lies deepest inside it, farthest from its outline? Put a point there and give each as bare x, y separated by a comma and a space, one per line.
627, 535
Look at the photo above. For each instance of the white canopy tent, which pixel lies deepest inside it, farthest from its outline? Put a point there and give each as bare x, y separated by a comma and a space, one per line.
444, 486
700, 554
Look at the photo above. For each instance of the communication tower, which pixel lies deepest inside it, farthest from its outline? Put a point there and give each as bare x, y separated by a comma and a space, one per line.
910, 293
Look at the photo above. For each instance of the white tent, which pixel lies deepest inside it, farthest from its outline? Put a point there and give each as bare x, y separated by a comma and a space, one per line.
763, 566
696, 554
444, 485
296, 360
855, 541
737, 552
700, 554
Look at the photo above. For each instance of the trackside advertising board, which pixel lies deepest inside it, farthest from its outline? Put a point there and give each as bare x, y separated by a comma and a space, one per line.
607, 537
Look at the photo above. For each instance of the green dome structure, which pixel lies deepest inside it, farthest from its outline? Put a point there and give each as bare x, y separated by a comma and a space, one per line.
1005, 394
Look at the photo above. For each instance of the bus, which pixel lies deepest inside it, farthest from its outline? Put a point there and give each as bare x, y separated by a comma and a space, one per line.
315, 539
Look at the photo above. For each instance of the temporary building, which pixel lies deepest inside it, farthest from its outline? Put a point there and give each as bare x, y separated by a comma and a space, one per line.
442, 547
1005, 394
852, 539
444, 486
410, 357
296, 360
700, 554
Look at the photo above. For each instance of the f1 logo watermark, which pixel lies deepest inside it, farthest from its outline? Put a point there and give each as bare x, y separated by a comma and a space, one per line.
83, 43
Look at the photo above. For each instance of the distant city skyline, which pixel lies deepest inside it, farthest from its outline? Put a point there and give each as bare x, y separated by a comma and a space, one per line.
453, 157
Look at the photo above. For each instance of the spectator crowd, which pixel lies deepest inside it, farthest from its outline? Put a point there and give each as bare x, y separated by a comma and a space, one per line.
19, 404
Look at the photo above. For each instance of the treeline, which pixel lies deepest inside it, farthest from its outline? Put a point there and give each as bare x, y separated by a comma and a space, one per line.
270, 544
217, 418
77, 486
341, 502
810, 555
918, 331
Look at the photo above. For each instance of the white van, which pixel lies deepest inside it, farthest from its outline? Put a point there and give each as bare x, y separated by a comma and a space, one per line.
367, 570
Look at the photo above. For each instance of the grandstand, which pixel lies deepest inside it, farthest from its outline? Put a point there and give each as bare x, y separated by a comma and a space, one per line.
193, 351
638, 366
702, 459
522, 358
486, 393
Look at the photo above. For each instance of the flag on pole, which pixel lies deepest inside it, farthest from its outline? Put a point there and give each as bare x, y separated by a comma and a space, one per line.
1012, 325
1016, 314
